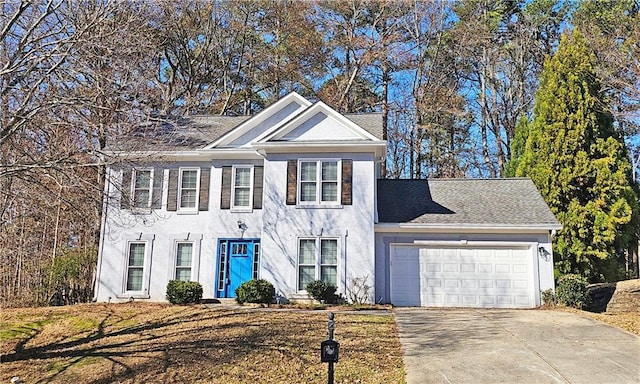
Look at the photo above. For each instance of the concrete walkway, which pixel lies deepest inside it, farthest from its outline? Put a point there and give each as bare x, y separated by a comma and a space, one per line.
514, 346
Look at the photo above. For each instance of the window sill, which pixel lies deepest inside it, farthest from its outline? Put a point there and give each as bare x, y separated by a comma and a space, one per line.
133, 296
319, 206
141, 211
186, 212
241, 210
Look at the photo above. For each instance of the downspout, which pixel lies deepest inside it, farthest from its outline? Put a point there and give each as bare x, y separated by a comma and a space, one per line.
344, 282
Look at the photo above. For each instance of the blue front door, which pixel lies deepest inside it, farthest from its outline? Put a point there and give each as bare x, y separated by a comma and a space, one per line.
237, 263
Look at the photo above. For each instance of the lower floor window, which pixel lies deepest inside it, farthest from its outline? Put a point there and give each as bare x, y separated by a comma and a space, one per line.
184, 257
135, 266
317, 260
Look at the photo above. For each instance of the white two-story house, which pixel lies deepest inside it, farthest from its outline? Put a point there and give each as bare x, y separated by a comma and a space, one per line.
291, 195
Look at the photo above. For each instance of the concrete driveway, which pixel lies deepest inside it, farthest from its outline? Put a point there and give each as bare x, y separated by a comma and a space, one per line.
514, 346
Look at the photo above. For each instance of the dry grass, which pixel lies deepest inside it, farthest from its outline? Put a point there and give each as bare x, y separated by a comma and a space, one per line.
629, 321
143, 343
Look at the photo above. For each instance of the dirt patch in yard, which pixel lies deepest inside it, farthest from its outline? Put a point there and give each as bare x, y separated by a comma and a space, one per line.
149, 343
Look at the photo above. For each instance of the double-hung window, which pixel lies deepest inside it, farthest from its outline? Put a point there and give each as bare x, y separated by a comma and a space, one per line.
188, 189
142, 187
135, 266
242, 185
319, 182
317, 260
184, 260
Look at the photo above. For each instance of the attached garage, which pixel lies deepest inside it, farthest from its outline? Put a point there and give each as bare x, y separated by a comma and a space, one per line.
481, 243
471, 276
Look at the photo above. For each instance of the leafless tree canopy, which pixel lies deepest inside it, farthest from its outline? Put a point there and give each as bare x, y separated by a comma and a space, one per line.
451, 79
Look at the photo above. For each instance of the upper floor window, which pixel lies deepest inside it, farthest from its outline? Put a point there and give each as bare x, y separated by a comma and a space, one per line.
188, 189
242, 196
241, 188
318, 182
323, 182
142, 187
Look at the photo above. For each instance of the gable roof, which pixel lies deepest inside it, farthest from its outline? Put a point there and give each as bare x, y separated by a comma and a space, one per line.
464, 203
201, 132
297, 129
265, 121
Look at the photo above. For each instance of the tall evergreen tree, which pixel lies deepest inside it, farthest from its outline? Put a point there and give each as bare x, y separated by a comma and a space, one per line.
576, 159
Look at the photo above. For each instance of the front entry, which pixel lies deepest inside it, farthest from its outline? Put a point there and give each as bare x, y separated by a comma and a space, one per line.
238, 261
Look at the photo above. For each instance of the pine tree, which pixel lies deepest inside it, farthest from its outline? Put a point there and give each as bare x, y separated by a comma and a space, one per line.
579, 164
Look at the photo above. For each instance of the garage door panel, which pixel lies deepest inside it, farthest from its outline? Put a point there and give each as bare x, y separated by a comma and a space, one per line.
461, 277
451, 283
469, 300
467, 267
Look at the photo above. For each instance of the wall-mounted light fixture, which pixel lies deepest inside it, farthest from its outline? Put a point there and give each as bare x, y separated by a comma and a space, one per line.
242, 227
543, 253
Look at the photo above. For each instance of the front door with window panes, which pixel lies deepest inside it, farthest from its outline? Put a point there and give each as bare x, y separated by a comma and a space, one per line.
238, 262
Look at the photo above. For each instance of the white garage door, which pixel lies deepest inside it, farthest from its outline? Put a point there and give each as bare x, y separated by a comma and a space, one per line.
489, 277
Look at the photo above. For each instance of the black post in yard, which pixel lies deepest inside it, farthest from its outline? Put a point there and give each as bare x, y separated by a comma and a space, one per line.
330, 381
331, 326
330, 349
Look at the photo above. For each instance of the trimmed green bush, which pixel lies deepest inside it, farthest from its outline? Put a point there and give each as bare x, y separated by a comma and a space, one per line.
255, 291
323, 292
572, 291
184, 292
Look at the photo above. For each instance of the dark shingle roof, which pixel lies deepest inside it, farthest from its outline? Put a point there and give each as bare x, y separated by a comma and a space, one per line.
482, 202
196, 132
370, 122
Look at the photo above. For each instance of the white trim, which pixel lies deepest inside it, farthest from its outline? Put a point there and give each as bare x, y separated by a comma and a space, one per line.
463, 228
322, 146
103, 228
469, 243
232, 205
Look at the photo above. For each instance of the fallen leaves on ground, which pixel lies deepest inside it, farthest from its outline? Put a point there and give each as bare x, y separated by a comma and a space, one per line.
158, 343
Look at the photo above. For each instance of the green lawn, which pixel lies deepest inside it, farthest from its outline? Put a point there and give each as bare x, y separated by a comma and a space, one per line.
147, 343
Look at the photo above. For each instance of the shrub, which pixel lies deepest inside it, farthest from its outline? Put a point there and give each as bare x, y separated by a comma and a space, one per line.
184, 292
572, 291
255, 291
323, 292
359, 292
549, 298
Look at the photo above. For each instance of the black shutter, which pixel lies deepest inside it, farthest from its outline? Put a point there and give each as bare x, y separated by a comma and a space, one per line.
203, 204
225, 190
347, 170
125, 189
258, 174
172, 199
292, 175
